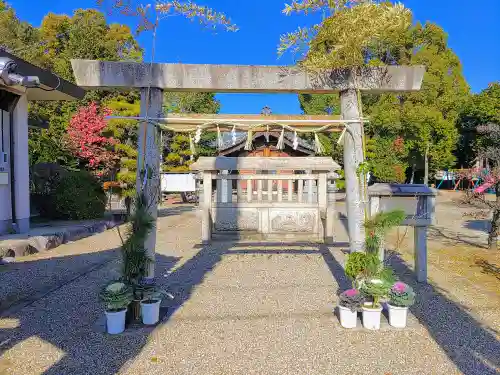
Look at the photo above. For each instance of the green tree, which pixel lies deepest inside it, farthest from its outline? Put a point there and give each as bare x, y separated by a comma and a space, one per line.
17, 37
125, 104
190, 102
479, 126
385, 36
333, 43
481, 109
426, 119
62, 38
85, 35
177, 148
386, 157
430, 115
319, 104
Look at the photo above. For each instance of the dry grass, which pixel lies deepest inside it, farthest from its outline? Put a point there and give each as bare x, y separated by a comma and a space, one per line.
466, 274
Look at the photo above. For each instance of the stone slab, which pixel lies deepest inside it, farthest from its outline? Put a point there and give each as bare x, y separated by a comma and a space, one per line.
242, 78
231, 219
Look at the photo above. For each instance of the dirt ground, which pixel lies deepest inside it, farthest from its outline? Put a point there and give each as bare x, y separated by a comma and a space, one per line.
462, 264
254, 308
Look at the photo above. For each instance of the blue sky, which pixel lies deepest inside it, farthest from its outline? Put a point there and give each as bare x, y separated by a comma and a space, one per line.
474, 34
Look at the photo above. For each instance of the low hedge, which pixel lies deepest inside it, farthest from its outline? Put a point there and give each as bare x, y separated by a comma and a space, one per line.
70, 196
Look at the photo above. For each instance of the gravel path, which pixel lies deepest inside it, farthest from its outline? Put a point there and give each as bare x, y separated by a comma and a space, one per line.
239, 309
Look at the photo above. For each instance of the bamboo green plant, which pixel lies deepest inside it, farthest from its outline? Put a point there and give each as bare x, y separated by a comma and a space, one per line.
134, 254
379, 225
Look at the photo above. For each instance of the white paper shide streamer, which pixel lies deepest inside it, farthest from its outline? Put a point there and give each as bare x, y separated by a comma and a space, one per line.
233, 135
281, 140
191, 147
220, 141
295, 141
319, 146
197, 136
248, 144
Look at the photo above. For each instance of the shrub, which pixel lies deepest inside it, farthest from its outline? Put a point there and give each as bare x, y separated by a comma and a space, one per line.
69, 196
79, 196
356, 264
401, 295
352, 299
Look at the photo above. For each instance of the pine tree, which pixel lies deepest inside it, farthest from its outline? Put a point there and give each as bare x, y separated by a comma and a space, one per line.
177, 146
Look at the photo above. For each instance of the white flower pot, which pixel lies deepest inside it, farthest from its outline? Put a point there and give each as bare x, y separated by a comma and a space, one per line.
115, 321
348, 318
150, 312
371, 317
397, 316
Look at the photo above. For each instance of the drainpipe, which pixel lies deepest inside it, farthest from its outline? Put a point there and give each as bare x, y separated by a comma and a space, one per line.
12, 171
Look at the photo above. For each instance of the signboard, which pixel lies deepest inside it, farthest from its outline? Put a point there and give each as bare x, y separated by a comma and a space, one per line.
178, 182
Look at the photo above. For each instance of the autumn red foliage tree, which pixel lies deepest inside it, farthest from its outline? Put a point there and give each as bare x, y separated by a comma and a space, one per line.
87, 141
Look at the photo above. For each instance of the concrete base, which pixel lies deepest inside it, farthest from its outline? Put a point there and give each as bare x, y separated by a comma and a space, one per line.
23, 225
256, 236
5, 226
272, 222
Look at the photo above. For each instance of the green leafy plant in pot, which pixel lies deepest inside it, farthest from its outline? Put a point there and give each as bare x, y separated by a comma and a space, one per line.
116, 296
375, 281
401, 296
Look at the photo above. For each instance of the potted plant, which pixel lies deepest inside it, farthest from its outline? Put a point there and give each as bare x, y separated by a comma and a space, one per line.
375, 282
117, 296
376, 289
350, 302
135, 258
401, 296
150, 304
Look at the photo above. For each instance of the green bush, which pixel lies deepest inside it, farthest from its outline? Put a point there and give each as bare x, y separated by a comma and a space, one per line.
70, 196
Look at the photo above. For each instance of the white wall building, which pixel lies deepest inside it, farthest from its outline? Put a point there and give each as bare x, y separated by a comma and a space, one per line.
21, 82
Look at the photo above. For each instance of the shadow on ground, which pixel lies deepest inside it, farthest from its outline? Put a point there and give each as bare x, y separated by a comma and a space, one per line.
22, 283
61, 316
175, 210
183, 281
488, 268
449, 237
473, 348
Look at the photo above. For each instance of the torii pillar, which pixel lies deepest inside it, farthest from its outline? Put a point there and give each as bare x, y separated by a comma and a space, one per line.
93, 74
149, 162
354, 181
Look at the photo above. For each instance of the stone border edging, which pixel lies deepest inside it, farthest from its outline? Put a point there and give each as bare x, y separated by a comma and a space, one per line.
41, 243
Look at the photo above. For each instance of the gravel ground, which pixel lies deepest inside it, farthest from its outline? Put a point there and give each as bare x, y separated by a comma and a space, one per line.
239, 309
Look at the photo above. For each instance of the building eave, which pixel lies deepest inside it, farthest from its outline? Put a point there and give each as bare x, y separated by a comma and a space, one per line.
52, 87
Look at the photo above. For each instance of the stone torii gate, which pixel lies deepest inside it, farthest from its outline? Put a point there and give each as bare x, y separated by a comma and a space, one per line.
153, 79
